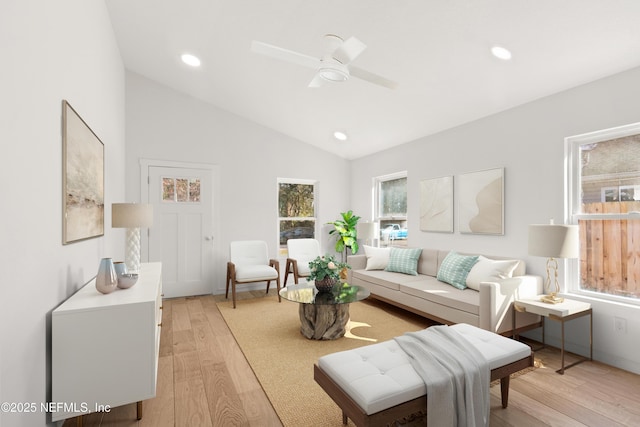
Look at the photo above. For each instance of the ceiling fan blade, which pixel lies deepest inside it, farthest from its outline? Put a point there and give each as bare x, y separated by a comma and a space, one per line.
284, 54
317, 81
372, 78
349, 50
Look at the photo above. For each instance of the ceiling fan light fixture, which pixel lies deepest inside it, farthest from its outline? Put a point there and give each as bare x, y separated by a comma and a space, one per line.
501, 53
333, 71
334, 75
190, 60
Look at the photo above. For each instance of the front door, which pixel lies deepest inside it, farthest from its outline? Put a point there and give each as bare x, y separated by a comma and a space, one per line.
181, 236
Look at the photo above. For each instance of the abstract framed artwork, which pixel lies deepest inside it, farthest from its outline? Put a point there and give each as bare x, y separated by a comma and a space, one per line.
436, 204
481, 202
83, 179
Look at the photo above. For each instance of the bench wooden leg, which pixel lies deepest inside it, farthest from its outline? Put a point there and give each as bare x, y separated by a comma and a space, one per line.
504, 390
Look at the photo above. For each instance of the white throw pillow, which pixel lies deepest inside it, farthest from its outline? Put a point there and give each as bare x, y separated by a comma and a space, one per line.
487, 270
377, 258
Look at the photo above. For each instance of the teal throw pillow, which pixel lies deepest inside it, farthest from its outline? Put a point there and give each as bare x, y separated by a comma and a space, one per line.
404, 261
455, 269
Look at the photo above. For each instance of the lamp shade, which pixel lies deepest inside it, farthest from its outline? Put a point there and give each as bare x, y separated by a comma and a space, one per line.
367, 230
131, 215
553, 240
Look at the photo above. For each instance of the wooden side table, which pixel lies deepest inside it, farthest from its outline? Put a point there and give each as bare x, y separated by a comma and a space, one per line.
562, 312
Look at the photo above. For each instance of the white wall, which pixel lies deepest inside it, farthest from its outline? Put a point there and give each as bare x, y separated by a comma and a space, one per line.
66, 50
165, 125
528, 142
51, 51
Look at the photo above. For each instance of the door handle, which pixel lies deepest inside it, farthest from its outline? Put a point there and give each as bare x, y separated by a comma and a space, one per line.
208, 238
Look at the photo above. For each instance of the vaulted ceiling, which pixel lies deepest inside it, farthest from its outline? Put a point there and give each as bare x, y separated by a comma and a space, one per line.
437, 51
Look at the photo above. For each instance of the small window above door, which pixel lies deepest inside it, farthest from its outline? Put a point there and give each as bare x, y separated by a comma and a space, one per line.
180, 190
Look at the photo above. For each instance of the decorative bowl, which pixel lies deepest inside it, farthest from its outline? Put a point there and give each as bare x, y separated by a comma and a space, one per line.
127, 280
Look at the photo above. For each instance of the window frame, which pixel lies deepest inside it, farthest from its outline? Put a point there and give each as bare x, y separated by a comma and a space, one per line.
377, 190
283, 250
377, 208
573, 179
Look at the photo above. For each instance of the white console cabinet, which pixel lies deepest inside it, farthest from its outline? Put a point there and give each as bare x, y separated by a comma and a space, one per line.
105, 347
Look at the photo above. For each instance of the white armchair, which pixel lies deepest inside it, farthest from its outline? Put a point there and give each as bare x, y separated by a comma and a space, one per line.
300, 252
249, 263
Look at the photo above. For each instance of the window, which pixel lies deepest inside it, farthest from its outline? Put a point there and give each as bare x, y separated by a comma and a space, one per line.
604, 200
296, 210
180, 190
391, 207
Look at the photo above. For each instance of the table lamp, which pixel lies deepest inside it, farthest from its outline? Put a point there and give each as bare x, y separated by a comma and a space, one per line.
553, 241
367, 231
132, 216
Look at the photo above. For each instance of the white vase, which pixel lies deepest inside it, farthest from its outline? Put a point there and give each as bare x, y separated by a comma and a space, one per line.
107, 279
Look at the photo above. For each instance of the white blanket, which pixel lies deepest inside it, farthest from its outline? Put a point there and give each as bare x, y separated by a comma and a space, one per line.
456, 375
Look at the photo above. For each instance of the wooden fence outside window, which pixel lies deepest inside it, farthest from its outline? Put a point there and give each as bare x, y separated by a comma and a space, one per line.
610, 250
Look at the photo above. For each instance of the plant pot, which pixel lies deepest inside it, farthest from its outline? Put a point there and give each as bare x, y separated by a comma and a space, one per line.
326, 284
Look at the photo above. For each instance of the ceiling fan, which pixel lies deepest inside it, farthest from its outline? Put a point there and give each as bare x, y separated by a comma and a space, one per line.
333, 66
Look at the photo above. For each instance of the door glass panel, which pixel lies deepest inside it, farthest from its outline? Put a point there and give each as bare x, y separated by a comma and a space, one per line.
181, 190
194, 190
168, 190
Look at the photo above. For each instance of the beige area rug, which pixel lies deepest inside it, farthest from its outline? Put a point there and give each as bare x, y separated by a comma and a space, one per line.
269, 335
282, 359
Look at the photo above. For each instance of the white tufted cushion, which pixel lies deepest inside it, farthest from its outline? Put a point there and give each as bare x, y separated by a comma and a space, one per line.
380, 376
254, 273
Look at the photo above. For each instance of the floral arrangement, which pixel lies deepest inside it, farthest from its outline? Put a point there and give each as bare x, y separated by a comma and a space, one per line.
326, 266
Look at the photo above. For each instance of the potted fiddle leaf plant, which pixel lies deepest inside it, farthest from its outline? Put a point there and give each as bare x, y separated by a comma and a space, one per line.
347, 235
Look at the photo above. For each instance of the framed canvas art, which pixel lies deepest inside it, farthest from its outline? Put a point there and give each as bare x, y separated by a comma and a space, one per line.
481, 202
436, 204
83, 179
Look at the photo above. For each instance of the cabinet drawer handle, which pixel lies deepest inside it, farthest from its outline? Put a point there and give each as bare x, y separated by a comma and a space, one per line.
160, 324
161, 307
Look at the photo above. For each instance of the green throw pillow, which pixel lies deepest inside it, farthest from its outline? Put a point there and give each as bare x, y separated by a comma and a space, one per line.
455, 269
404, 261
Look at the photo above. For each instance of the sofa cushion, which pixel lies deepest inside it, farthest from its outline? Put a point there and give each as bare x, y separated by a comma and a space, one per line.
455, 268
429, 288
428, 262
404, 261
377, 258
383, 278
488, 270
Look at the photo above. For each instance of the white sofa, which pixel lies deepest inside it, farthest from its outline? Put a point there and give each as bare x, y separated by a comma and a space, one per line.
489, 307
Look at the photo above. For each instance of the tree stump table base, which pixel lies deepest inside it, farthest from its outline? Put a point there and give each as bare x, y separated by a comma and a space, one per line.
323, 322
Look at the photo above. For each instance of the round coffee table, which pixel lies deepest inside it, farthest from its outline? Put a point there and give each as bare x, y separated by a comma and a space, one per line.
323, 315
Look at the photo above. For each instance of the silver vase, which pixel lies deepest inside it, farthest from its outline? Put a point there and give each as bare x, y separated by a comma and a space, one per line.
107, 279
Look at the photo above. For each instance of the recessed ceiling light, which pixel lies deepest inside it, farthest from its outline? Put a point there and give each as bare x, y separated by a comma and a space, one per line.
501, 53
191, 60
340, 136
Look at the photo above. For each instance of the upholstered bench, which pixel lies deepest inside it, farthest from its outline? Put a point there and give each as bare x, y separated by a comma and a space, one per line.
375, 385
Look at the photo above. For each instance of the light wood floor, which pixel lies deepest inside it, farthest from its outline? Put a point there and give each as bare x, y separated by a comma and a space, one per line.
204, 380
